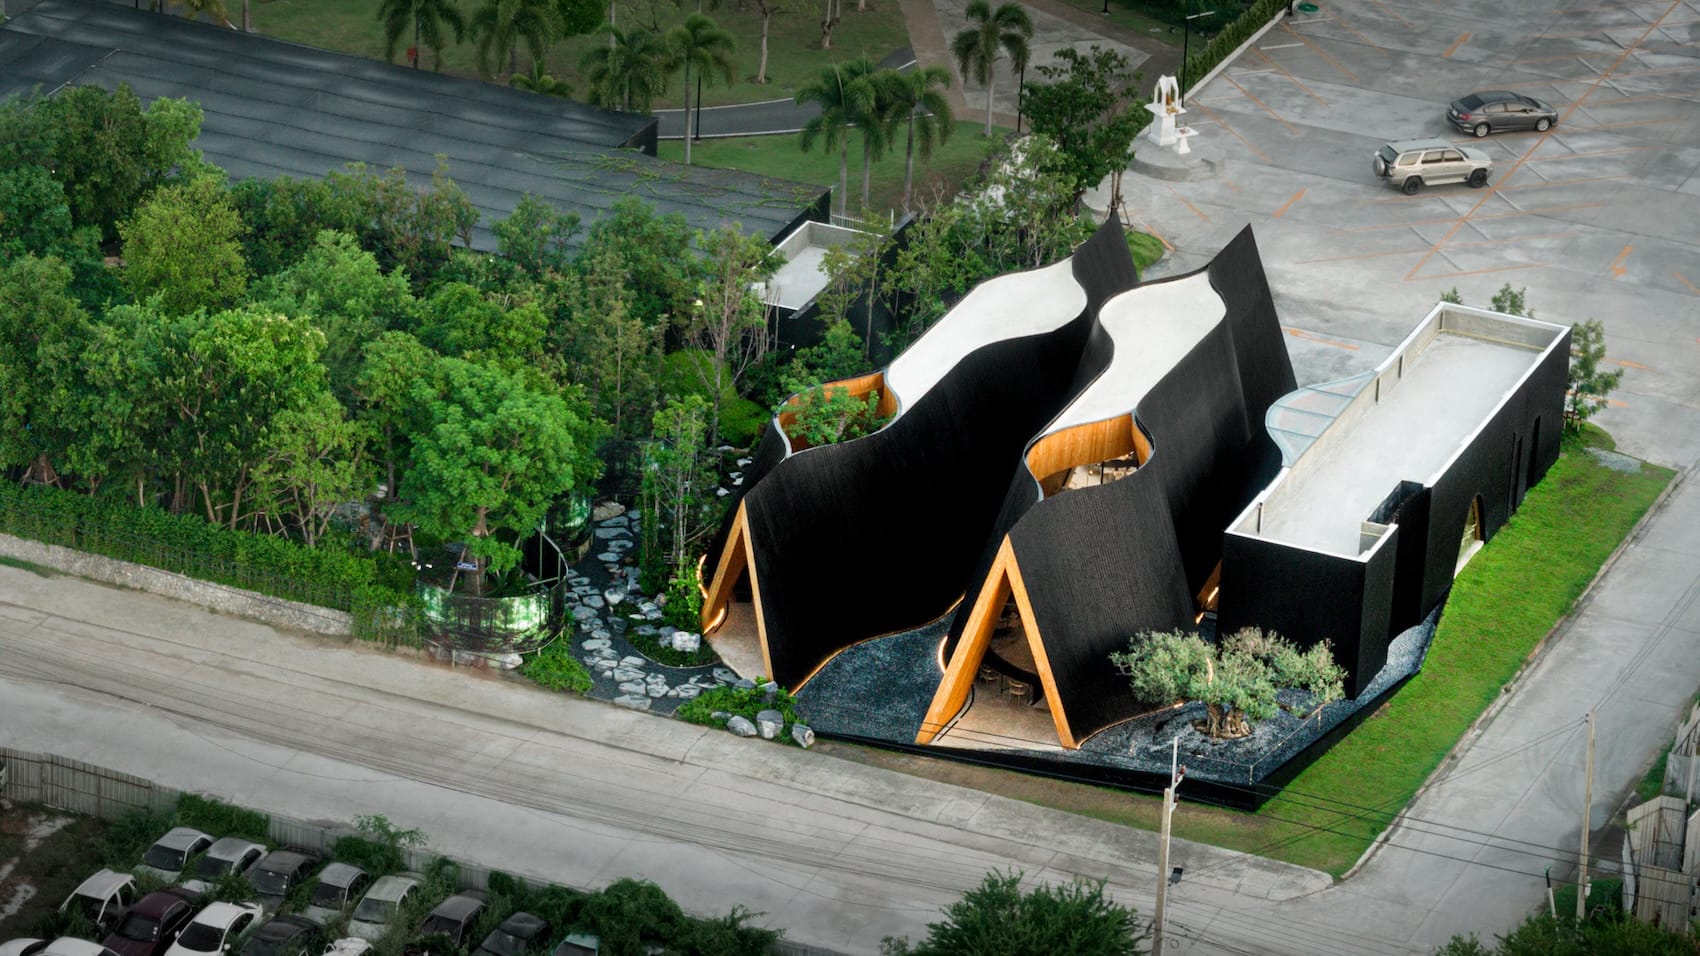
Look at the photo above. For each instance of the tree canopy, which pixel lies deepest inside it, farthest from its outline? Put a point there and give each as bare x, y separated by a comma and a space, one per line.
1000, 918
1237, 679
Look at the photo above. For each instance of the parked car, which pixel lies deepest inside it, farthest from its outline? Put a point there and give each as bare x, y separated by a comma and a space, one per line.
1496, 111
579, 944
453, 918
22, 947
101, 899
287, 935
216, 930
338, 885
378, 907
517, 935
72, 946
226, 856
1411, 164
347, 946
152, 925
276, 876
166, 858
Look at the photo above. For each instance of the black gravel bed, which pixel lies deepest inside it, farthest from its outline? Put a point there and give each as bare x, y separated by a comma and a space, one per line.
879, 689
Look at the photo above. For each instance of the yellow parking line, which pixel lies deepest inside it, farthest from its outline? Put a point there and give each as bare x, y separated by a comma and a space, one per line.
1454, 47
1617, 267
1691, 286
1541, 140
1253, 97
1289, 203
1394, 14
1319, 52
1195, 210
1236, 133
1283, 71
1298, 333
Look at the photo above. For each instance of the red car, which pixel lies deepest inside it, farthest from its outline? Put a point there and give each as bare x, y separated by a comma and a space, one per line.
153, 923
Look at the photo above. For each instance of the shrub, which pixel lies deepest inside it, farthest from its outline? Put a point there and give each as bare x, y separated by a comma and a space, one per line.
220, 819
743, 702
125, 839
555, 668
1229, 39
998, 918
650, 646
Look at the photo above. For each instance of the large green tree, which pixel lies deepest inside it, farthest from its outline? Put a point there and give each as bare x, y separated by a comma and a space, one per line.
612, 351
631, 71
729, 322
499, 26
184, 244
341, 289
917, 99
108, 153
431, 20
843, 91
990, 35
1237, 678
700, 42
1085, 103
655, 252
1610, 935
1000, 918
43, 335
488, 457
315, 460
537, 237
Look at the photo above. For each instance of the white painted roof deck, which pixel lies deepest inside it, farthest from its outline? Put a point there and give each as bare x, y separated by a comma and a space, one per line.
1007, 307
1153, 327
1408, 423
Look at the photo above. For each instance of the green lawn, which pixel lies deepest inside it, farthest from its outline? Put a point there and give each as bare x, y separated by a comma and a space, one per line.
1504, 602
783, 157
794, 53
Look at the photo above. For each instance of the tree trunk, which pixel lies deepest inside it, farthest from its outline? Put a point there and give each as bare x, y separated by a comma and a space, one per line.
761, 69
418, 54
245, 25
513, 56
909, 162
688, 128
611, 23
843, 174
826, 24
990, 78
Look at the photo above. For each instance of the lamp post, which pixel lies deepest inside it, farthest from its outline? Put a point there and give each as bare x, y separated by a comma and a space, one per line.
1186, 36
1159, 924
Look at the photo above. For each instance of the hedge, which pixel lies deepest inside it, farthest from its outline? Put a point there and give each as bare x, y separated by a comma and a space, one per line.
1229, 40
370, 587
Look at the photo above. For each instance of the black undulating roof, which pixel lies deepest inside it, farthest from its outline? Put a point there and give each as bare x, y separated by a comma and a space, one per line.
273, 109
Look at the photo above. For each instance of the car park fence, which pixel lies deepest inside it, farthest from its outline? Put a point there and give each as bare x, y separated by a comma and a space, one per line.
91, 790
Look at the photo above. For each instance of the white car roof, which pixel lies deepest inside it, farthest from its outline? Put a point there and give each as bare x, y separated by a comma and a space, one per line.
347, 946
72, 946
178, 838
340, 874
229, 848
390, 888
223, 914
102, 884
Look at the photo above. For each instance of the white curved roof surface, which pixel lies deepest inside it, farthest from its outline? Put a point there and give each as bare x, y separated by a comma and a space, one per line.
1153, 327
1007, 307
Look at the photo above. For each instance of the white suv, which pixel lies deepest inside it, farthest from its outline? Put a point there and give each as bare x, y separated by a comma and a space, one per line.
1411, 164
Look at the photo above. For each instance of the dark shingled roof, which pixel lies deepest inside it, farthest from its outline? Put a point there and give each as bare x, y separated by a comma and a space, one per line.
278, 109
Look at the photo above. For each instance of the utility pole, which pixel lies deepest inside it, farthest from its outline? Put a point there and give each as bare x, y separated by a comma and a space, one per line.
1587, 811
1158, 920
1693, 751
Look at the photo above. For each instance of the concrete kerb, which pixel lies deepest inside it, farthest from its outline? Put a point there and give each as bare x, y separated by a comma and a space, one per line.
1552, 637
277, 612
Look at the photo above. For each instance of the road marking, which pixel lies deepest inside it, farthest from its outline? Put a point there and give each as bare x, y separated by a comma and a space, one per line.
1477, 272
1477, 244
1617, 267
1598, 152
1373, 45
1281, 46
1565, 182
1535, 211
1282, 70
1189, 205
1454, 47
1253, 97
1311, 337
1289, 203
1635, 365
1691, 286
1394, 14
1319, 52
1224, 123
1493, 189
1630, 123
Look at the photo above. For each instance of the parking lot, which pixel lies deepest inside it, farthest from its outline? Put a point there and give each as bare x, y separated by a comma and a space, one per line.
1599, 217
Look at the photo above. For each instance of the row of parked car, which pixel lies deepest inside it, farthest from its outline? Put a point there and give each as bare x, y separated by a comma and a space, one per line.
174, 922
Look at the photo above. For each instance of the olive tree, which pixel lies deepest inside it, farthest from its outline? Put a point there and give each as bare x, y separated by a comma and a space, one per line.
1237, 679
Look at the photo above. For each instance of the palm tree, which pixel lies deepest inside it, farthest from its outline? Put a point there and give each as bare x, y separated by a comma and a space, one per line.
629, 73
538, 81
700, 42
878, 121
428, 18
918, 96
500, 25
844, 92
1004, 30
192, 10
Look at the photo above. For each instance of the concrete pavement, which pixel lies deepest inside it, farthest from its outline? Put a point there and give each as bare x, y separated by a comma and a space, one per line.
544, 785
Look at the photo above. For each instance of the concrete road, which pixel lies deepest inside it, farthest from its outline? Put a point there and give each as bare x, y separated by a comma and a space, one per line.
557, 788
